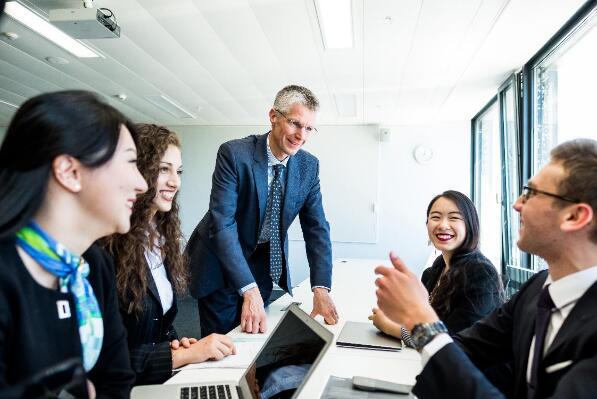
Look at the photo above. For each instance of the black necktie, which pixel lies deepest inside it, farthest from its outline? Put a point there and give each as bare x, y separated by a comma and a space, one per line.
545, 308
275, 245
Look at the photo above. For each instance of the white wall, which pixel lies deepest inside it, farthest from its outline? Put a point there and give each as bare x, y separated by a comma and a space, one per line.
405, 187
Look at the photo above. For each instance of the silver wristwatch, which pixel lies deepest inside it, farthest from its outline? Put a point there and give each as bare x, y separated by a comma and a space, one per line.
423, 333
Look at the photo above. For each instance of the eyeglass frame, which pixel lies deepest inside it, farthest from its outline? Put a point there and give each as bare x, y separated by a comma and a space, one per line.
296, 124
528, 192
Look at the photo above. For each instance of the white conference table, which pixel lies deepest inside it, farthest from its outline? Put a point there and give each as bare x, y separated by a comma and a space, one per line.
353, 291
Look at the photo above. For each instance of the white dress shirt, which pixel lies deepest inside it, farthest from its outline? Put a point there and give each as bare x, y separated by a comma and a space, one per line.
160, 277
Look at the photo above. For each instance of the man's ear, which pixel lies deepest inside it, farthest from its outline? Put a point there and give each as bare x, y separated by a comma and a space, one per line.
67, 172
272, 115
577, 217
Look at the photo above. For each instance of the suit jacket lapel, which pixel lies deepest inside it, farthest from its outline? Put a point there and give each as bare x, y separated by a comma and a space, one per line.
153, 289
260, 175
583, 312
293, 179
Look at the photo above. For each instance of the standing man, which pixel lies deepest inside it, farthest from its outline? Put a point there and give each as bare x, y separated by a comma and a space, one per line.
240, 247
548, 330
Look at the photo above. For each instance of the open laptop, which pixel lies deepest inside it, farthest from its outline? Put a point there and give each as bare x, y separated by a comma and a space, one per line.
291, 353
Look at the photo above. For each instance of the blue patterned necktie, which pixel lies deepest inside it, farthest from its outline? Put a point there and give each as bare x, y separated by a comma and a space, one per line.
275, 244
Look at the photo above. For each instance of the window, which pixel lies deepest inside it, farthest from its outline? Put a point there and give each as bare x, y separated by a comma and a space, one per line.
511, 177
487, 183
559, 85
564, 90
564, 87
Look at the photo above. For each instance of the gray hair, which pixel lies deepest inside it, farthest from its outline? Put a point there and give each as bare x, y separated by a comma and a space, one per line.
294, 94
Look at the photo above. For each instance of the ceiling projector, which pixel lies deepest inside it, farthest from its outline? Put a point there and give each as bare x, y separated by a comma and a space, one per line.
85, 23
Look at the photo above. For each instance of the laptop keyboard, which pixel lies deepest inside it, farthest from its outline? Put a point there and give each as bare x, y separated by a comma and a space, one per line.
206, 392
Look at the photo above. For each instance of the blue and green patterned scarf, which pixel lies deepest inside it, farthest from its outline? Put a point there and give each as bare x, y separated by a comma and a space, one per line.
72, 272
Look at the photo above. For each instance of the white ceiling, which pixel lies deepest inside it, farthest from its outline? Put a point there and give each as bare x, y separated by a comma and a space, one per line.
224, 60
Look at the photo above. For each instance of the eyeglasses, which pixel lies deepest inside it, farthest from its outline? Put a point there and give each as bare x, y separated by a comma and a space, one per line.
297, 125
528, 192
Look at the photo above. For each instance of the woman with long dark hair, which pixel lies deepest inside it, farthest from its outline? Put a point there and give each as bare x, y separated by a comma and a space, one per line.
463, 284
151, 268
68, 176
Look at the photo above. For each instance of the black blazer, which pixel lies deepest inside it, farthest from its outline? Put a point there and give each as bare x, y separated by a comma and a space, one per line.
149, 334
505, 336
33, 336
481, 295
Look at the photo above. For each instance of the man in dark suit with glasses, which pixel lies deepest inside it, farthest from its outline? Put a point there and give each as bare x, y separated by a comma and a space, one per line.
239, 250
548, 330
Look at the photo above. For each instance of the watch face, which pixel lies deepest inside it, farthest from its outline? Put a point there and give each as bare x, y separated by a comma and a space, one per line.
423, 333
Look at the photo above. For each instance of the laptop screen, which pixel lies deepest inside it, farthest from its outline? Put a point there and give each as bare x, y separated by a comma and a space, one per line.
286, 359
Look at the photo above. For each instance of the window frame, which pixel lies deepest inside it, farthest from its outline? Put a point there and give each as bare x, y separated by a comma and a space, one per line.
523, 82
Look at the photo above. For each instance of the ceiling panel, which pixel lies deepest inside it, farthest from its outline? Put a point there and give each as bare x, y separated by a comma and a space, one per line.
413, 61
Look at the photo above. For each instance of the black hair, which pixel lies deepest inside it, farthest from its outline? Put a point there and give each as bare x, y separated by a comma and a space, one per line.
75, 123
469, 215
457, 280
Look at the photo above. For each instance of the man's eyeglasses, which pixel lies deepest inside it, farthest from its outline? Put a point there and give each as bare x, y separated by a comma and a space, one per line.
528, 192
297, 125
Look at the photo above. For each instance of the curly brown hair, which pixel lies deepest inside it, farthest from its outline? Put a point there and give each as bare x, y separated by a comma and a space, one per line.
128, 250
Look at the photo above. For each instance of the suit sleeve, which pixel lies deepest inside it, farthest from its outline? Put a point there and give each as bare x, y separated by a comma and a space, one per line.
223, 229
480, 298
487, 343
450, 374
316, 232
151, 363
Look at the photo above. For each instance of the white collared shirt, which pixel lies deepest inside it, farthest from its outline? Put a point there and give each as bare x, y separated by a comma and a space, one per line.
565, 293
160, 277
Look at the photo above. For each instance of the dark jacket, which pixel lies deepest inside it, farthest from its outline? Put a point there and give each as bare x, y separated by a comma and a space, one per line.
149, 334
33, 337
505, 337
229, 232
482, 292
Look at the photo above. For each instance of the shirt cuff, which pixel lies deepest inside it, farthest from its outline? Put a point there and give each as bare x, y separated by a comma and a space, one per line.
438, 342
246, 288
321, 286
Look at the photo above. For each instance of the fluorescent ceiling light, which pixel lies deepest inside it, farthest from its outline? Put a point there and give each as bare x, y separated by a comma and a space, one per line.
36, 23
11, 105
335, 22
170, 107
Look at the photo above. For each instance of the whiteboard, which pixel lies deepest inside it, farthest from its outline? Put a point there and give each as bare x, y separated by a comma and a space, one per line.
348, 170
348, 160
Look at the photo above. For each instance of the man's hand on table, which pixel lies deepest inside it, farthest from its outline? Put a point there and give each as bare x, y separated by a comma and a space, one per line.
252, 318
324, 306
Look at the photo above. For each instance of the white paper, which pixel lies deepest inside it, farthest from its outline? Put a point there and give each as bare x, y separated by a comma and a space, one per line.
245, 353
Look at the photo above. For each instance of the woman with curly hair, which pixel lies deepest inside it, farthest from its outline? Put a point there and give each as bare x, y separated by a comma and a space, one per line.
463, 284
151, 268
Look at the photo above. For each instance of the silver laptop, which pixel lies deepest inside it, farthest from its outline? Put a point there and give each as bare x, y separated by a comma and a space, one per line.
285, 362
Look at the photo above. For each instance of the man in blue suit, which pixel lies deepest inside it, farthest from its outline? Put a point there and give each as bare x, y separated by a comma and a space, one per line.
547, 331
240, 247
